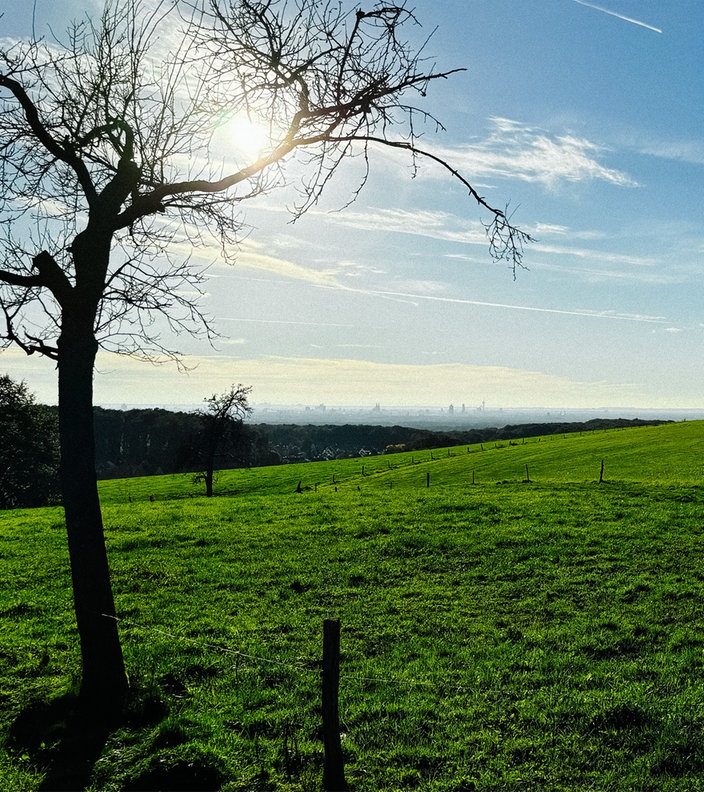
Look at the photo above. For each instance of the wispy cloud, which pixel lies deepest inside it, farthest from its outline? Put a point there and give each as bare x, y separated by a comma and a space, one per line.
604, 257
554, 243
585, 312
333, 277
251, 257
596, 274
618, 16
593, 314
513, 150
292, 322
426, 223
689, 151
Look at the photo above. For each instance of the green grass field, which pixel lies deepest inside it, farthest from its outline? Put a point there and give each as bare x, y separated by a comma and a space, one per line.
508, 622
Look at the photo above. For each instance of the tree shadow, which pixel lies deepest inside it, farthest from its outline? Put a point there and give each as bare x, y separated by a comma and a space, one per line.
66, 737
62, 736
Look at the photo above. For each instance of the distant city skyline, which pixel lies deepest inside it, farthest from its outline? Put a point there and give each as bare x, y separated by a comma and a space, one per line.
584, 119
437, 417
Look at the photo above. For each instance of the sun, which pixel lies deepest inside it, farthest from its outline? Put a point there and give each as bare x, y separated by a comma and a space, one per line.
250, 138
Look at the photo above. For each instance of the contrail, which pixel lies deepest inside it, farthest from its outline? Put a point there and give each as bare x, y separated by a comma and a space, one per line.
617, 15
592, 314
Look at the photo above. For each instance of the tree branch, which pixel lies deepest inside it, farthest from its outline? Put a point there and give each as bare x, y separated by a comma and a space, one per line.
32, 345
64, 153
49, 275
26, 281
506, 240
152, 202
52, 276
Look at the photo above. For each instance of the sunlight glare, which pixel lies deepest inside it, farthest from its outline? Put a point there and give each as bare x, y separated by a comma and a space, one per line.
249, 138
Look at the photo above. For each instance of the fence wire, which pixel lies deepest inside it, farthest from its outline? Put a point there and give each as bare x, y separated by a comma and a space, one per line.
312, 665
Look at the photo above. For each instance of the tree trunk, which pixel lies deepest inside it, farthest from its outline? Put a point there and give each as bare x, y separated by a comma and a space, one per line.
211, 448
104, 681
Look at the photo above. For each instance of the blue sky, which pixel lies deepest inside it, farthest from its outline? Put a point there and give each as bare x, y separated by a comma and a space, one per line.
586, 119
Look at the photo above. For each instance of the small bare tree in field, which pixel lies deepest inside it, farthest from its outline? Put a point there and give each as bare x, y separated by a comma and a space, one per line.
108, 174
221, 412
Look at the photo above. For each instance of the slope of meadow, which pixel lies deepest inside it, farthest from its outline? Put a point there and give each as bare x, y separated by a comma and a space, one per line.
533, 630
665, 454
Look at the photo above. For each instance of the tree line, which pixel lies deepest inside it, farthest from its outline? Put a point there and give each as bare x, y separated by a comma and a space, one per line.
135, 442
308, 442
29, 449
146, 442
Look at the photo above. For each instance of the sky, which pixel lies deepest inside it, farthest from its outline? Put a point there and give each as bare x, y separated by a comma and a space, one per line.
586, 120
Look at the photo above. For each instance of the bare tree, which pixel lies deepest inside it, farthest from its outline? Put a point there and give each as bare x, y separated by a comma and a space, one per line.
222, 412
108, 173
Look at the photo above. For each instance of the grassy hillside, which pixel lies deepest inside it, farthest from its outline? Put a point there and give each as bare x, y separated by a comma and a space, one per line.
503, 635
666, 454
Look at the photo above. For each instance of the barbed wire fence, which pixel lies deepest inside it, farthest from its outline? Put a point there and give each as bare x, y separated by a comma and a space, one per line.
308, 665
327, 668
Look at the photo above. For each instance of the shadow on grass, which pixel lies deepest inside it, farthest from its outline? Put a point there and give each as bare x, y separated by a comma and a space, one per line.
67, 740
58, 735
187, 768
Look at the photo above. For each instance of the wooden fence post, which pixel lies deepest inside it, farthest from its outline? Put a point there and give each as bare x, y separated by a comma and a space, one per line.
334, 766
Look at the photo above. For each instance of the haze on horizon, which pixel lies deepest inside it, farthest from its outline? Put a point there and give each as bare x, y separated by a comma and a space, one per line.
586, 119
